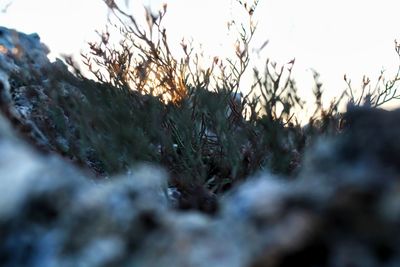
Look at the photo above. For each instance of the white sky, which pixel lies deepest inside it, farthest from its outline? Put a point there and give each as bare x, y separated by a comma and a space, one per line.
333, 37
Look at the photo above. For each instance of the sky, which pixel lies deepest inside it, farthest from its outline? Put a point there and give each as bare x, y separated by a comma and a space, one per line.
333, 37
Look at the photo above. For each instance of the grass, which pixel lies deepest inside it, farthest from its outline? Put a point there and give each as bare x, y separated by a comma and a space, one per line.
148, 106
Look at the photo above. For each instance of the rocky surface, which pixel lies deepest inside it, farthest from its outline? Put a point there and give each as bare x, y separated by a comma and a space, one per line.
342, 210
32, 90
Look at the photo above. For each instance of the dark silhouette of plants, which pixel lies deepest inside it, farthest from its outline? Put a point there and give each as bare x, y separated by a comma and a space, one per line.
142, 61
208, 132
198, 139
375, 95
147, 105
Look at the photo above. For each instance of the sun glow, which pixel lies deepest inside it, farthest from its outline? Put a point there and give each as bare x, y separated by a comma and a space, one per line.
334, 38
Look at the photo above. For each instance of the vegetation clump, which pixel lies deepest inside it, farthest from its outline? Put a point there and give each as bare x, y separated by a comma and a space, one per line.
147, 105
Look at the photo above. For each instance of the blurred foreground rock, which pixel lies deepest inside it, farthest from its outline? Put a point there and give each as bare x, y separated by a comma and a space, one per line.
343, 210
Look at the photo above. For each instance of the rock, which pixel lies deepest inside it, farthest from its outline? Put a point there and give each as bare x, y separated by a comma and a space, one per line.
34, 192
375, 131
52, 214
21, 51
31, 90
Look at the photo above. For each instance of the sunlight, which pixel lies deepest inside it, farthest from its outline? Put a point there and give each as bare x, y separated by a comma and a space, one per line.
333, 38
